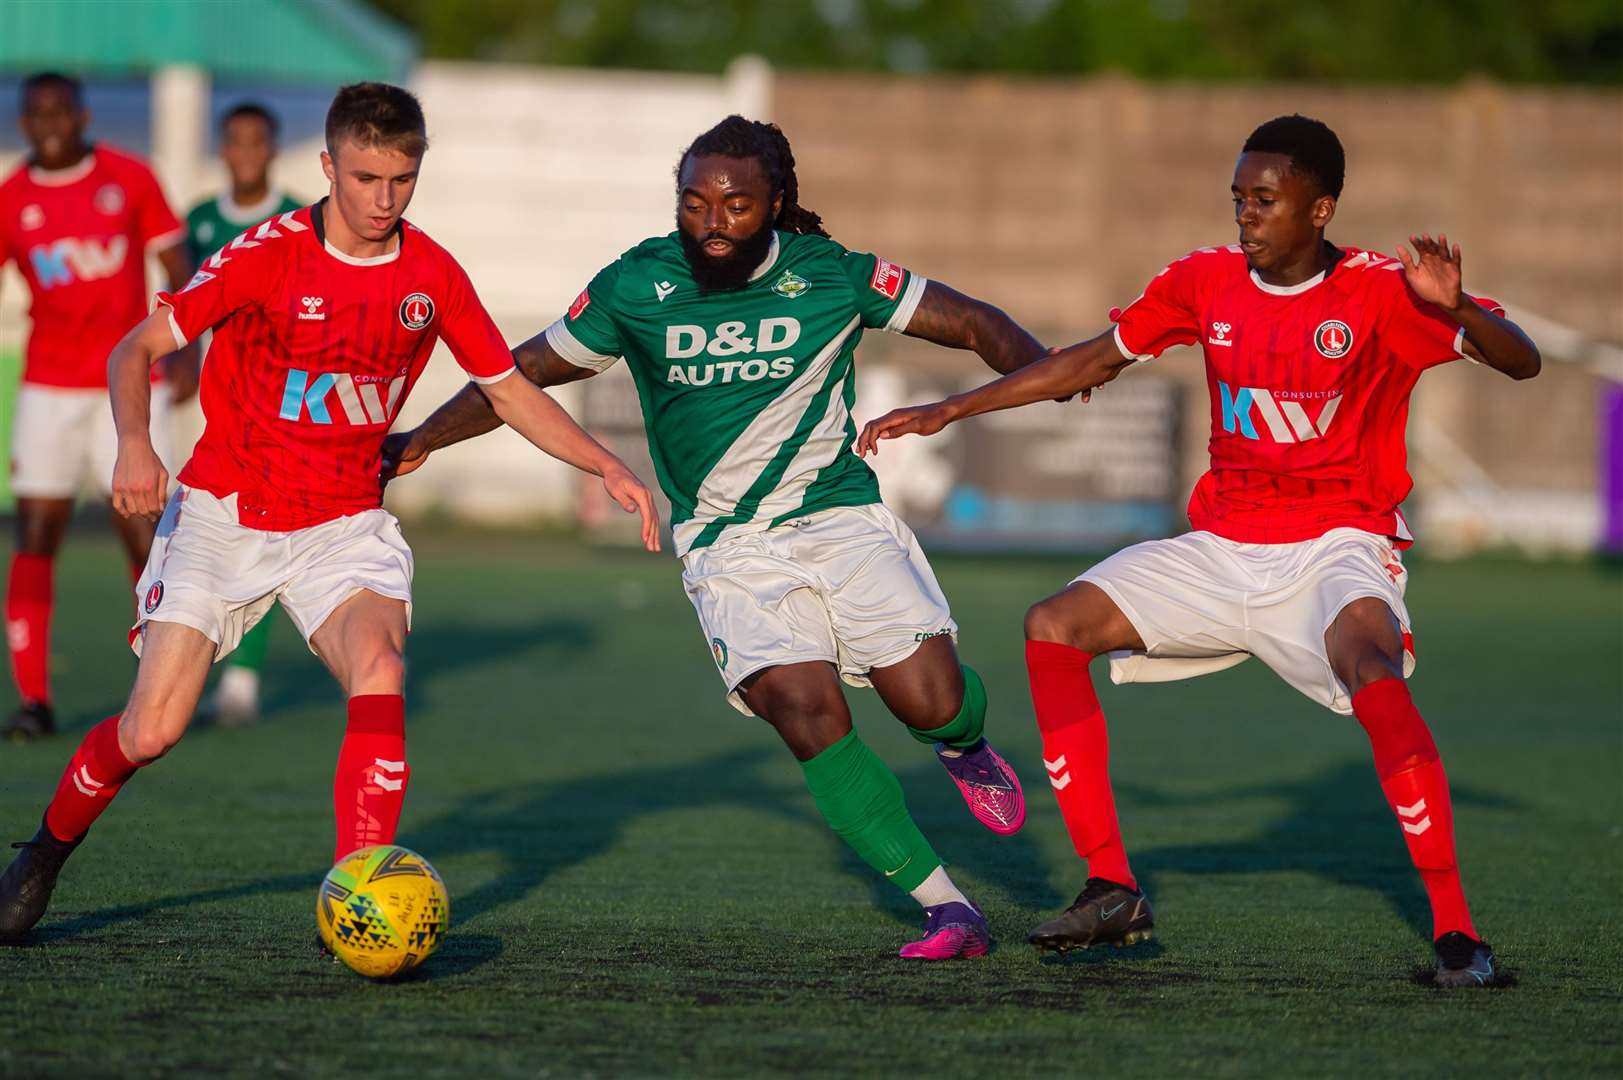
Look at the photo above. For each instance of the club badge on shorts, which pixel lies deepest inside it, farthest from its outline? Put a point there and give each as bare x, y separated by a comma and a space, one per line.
154, 597
416, 311
718, 648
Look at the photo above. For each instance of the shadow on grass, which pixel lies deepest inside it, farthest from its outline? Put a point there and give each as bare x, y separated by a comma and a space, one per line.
1337, 826
538, 830
440, 648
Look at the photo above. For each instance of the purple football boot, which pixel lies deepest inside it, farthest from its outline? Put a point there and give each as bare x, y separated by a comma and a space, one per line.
950, 930
988, 786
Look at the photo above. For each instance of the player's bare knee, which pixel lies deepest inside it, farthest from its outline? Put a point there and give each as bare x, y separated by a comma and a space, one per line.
148, 734
382, 672
1047, 620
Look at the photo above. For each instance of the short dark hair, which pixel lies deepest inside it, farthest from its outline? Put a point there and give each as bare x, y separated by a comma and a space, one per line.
377, 114
42, 79
1313, 148
736, 137
255, 110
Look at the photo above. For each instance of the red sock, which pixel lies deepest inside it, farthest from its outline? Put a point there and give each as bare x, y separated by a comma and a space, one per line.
94, 775
1412, 776
370, 785
1076, 751
28, 624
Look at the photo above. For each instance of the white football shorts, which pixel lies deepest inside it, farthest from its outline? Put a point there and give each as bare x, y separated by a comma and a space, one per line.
63, 440
220, 577
1202, 603
848, 585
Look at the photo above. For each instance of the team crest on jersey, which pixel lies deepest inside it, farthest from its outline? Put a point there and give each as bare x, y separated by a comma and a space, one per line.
154, 597
718, 649
1333, 339
791, 285
416, 311
887, 279
32, 217
109, 199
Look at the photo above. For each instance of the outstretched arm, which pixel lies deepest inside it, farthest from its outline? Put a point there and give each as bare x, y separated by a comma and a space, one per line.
1434, 274
1075, 370
531, 412
469, 413
948, 317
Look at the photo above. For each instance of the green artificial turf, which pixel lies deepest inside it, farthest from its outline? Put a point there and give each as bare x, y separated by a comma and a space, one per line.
640, 884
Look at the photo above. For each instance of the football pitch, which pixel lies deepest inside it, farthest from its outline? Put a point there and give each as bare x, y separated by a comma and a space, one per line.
640, 884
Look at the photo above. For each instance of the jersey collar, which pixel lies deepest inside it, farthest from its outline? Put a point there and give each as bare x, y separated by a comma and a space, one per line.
252, 214
319, 225
1301, 286
771, 257
63, 177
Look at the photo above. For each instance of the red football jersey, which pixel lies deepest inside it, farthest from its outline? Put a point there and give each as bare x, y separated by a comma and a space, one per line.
80, 237
314, 353
1309, 385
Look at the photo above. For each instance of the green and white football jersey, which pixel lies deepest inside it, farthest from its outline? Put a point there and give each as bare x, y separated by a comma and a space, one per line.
213, 223
746, 394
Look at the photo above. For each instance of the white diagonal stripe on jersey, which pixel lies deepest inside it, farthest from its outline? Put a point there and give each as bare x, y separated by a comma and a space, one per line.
1412, 811
1060, 782
1298, 417
820, 450
1418, 827
84, 771
351, 403
286, 221
396, 385
1056, 765
389, 785
392, 766
1270, 415
755, 447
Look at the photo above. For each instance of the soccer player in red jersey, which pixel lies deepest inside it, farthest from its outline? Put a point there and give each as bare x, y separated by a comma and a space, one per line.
79, 219
1311, 353
323, 320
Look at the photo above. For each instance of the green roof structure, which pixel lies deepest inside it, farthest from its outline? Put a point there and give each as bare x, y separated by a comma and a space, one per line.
283, 40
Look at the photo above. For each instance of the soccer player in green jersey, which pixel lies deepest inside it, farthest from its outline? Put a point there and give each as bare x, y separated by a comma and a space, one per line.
248, 134
740, 329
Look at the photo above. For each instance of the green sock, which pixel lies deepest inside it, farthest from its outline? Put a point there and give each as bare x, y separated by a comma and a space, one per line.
963, 730
250, 653
861, 800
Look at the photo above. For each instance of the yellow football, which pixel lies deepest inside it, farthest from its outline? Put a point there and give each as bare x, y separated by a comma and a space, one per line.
382, 910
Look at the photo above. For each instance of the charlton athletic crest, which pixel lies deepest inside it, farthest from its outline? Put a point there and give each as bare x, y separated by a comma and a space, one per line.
1333, 339
154, 597
416, 311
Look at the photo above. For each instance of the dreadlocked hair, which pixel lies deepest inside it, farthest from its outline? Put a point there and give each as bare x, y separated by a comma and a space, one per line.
736, 137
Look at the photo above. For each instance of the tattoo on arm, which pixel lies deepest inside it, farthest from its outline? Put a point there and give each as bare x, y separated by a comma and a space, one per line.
947, 317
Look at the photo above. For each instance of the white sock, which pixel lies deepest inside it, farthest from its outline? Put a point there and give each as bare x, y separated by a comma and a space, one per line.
938, 889
239, 686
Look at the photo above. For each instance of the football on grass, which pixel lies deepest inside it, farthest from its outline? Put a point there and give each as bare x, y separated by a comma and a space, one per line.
382, 910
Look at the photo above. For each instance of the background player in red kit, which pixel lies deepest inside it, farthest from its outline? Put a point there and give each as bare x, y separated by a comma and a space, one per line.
323, 319
79, 219
1311, 354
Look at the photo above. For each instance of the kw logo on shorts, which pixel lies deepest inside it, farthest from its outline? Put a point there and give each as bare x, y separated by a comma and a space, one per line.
1283, 412
360, 397
718, 649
